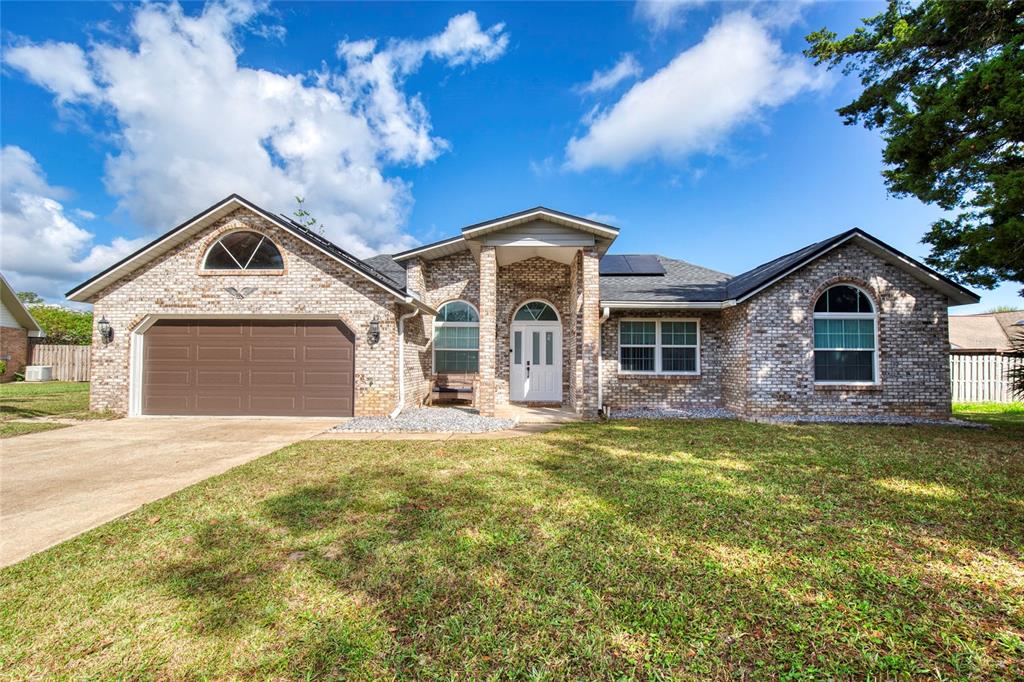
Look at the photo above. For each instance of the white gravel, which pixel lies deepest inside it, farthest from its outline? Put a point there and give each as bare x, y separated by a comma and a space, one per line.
428, 420
690, 413
878, 420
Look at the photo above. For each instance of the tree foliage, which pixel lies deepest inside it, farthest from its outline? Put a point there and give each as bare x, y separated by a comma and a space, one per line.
29, 298
944, 82
64, 326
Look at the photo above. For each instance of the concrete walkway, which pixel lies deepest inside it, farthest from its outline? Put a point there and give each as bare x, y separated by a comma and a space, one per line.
518, 432
57, 484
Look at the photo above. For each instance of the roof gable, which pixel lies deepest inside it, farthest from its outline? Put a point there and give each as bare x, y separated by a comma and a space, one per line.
186, 230
754, 281
17, 309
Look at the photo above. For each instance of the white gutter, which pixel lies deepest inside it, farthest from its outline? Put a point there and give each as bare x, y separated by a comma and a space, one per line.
401, 363
605, 314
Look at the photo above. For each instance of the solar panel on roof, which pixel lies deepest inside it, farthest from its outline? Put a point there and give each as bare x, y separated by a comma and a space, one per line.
614, 265
645, 265
631, 265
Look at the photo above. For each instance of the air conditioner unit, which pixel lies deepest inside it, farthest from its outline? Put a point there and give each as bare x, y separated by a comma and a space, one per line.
39, 373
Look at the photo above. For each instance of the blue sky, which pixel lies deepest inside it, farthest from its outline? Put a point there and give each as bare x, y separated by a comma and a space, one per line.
696, 127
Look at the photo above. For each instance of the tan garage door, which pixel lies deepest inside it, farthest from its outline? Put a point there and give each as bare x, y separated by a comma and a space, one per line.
248, 367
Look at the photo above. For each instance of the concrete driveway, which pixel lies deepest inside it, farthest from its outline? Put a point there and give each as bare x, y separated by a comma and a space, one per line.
57, 484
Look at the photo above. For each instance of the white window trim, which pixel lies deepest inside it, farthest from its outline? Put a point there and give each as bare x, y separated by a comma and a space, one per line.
657, 347
873, 316
436, 325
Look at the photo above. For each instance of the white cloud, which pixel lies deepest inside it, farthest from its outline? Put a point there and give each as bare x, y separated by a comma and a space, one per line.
374, 79
606, 218
60, 67
663, 14
193, 125
626, 68
733, 75
43, 249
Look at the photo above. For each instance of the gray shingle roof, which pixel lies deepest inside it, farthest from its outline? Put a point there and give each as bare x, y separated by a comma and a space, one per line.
682, 281
386, 265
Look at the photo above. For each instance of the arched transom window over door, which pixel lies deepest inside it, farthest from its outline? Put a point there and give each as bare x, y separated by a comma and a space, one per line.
457, 339
243, 250
845, 337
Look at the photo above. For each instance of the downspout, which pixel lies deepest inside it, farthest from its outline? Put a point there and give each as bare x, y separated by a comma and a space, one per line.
605, 314
401, 363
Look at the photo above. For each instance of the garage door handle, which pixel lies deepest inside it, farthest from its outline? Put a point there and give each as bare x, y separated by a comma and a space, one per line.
527, 369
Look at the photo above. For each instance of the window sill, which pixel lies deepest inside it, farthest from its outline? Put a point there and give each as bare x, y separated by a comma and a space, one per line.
240, 273
846, 387
663, 375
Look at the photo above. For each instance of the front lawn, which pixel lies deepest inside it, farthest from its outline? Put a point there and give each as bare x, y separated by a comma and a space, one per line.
625, 550
23, 400
1005, 414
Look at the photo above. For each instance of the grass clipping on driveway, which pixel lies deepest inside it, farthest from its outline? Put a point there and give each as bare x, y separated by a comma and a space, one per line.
626, 550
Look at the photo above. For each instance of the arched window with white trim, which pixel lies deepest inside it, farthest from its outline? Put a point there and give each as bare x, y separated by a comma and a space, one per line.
243, 250
457, 339
845, 337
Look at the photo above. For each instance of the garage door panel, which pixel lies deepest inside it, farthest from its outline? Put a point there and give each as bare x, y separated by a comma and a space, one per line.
171, 353
213, 379
258, 367
272, 380
219, 353
276, 329
271, 354
207, 403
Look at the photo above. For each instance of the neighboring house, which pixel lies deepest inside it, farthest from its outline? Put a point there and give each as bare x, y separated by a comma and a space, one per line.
16, 325
242, 311
985, 332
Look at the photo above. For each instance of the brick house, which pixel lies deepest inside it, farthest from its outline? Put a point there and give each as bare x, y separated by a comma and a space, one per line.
242, 311
16, 327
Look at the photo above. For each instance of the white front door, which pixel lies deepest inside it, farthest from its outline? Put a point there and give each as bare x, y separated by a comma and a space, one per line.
536, 362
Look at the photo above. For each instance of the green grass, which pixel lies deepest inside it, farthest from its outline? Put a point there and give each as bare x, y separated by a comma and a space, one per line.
629, 550
1005, 414
23, 400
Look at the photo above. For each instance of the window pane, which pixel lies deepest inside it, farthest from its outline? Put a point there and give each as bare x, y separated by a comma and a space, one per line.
636, 359
843, 365
549, 348
535, 347
679, 333
637, 333
219, 259
844, 334
536, 310
456, 361
678, 359
457, 337
267, 257
517, 348
457, 311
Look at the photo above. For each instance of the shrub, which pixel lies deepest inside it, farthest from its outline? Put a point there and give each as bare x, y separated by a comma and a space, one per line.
64, 326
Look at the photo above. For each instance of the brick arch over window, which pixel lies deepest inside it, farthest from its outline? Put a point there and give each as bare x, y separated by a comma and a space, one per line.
872, 294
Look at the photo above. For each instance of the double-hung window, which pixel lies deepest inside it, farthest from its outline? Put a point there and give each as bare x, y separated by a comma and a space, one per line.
457, 339
659, 346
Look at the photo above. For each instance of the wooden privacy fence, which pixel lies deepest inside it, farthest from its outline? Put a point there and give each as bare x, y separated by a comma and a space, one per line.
981, 378
70, 363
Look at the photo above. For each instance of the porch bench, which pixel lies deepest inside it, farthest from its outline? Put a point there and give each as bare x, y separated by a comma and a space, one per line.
449, 388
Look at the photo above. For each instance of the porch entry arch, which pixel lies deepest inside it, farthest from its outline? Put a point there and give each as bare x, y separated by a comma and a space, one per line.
535, 353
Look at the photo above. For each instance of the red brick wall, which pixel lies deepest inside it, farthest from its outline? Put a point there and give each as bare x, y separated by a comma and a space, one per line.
13, 342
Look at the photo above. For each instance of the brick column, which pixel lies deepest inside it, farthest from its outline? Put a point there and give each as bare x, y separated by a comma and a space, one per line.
590, 347
414, 280
488, 329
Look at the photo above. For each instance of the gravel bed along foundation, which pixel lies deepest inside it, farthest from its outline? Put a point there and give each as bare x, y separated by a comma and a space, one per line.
428, 420
690, 413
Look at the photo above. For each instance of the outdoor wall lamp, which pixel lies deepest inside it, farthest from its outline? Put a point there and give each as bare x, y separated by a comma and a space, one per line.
374, 336
106, 331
